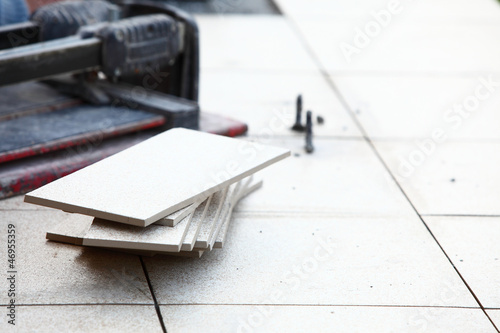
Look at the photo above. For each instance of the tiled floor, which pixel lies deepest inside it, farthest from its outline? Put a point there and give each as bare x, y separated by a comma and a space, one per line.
391, 225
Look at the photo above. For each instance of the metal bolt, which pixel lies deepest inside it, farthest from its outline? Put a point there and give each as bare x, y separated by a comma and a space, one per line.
298, 117
309, 133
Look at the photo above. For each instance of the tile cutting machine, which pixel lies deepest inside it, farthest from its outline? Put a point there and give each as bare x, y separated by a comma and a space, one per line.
84, 79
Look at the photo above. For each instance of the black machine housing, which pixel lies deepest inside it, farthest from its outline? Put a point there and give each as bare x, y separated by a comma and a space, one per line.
144, 43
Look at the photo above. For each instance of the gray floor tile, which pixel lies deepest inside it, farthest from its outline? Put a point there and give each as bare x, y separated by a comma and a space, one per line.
464, 107
477, 11
17, 203
401, 47
54, 273
472, 244
341, 176
256, 42
453, 178
495, 316
316, 261
96, 318
266, 101
195, 318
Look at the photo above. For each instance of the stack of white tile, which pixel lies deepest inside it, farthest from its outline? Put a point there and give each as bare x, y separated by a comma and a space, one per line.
172, 194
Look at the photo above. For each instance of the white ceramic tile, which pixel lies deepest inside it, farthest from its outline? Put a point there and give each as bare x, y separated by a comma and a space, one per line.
324, 9
207, 227
232, 195
198, 217
176, 217
448, 178
157, 239
253, 42
495, 316
341, 177
416, 106
95, 318
245, 318
151, 240
184, 254
233, 87
316, 261
54, 273
425, 46
72, 232
210, 228
157, 177
472, 244
221, 236
266, 101
479, 11
222, 232
239, 191
247, 186
108, 234
422, 9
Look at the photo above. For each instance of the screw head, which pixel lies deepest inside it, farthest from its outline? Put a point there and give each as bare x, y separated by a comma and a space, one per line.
298, 127
119, 35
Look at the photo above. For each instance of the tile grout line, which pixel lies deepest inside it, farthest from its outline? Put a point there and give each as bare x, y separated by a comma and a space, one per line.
261, 304
412, 74
342, 100
157, 307
82, 304
384, 164
379, 157
329, 305
460, 215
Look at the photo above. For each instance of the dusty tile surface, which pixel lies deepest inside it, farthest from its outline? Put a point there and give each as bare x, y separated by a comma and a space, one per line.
448, 178
472, 244
495, 316
191, 318
316, 261
17, 203
95, 318
324, 9
260, 42
53, 273
159, 238
470, 12
460, 106
270, 109
341, 177
402, 48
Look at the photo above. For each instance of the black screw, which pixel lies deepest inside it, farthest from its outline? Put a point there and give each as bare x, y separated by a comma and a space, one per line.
298, 116
309, 133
